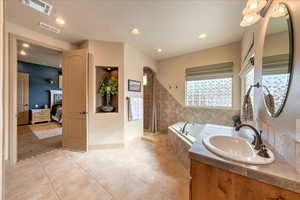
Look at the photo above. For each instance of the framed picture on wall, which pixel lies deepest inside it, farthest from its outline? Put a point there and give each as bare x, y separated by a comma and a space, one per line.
134, 86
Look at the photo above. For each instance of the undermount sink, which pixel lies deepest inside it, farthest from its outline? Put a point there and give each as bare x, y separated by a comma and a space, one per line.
235, 148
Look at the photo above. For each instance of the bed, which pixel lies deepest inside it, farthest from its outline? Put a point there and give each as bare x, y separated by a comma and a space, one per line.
56, 105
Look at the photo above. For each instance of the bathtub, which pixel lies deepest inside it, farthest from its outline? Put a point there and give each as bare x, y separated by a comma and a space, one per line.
180, 142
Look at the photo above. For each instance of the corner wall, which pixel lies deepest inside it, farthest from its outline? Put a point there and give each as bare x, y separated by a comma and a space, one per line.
135, 62
171, 87
114, 129
279, 132
105, 129
2, 138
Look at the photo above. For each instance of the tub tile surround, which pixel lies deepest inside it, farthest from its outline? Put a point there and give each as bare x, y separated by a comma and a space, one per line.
171, 112
180, 146
280, 173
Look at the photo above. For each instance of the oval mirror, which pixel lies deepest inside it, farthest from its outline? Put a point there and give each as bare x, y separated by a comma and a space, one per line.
277, 60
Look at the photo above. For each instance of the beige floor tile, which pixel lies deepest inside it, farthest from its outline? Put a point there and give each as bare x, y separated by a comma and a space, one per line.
141, 171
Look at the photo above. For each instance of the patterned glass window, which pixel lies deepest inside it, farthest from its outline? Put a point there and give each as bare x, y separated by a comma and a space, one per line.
277, 85
209, 92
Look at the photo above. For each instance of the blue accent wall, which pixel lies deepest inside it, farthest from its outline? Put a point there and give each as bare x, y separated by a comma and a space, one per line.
38, 82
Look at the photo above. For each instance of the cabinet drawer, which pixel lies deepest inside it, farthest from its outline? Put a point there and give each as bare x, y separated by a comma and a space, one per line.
44, 114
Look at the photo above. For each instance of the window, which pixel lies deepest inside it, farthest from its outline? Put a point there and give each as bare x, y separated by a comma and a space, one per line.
211, 92
145, 80
209, 86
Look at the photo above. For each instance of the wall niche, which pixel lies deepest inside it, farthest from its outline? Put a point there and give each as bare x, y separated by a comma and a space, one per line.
107, 89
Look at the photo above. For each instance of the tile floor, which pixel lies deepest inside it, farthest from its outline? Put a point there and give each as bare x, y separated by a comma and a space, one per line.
141, 171
30, 145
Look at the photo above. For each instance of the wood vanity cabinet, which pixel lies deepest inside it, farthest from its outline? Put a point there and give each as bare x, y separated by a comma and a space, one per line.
210, 183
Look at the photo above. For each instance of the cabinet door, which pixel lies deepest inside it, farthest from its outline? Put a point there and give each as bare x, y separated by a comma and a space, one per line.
210, 183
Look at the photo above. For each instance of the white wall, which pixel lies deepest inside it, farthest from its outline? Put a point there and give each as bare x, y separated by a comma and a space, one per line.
114, 129
1, 97
135, 62
171, 71
105, 128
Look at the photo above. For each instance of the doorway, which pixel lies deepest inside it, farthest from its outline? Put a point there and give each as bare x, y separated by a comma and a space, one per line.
150, 102
39, 99
75, 69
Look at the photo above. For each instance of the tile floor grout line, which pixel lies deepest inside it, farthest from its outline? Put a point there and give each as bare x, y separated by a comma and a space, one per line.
90, 175
56, 194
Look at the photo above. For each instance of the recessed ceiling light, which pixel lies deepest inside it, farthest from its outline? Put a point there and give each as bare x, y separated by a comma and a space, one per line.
202, 36
159, 50
135, 31
25, 45
60, 21
23, 53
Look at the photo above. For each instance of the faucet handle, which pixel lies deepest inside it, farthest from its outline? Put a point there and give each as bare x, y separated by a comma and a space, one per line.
263, 152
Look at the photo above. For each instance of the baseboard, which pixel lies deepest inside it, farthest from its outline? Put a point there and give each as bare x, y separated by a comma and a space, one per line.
106, 146
131, 140
7, 164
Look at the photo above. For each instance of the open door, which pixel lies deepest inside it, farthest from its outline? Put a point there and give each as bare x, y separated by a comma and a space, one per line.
23, 98
75, 99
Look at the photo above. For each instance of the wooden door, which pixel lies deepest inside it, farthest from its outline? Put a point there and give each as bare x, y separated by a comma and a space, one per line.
23, 98
75, 99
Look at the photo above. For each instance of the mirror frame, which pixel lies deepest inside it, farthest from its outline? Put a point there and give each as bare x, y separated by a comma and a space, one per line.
291, 62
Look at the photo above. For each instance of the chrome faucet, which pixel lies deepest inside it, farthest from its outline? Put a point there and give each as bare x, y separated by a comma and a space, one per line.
257, 139
184, 127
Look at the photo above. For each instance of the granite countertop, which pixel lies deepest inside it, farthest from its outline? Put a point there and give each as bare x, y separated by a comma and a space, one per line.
279, 173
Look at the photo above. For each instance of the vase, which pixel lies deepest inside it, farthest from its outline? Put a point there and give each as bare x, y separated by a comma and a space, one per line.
107, 107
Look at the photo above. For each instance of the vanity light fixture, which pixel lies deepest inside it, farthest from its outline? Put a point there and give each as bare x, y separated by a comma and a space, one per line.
202, 36
255, 9
279, 10
60, 21
25, 45
249, 20
135, 31
159, 50
254, 6
23, 53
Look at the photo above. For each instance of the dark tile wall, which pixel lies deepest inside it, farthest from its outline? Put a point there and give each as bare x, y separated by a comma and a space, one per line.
148, 98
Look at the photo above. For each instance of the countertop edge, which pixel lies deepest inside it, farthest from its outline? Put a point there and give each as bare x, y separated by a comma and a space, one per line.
200, 153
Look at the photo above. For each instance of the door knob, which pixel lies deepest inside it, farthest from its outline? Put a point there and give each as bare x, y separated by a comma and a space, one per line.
83, 113
25, 104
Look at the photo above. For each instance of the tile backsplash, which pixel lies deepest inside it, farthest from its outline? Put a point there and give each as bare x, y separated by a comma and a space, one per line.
284, 143
171, 111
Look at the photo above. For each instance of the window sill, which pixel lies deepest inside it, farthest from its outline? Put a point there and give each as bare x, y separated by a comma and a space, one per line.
213, 108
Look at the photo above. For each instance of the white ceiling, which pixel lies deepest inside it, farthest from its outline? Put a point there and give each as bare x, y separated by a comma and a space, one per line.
39, 55
172, 25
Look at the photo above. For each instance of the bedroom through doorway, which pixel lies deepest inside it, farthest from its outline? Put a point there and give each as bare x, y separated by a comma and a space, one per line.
39, 99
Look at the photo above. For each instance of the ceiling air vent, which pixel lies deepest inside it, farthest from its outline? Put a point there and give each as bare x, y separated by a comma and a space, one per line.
39, 5
49, 27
